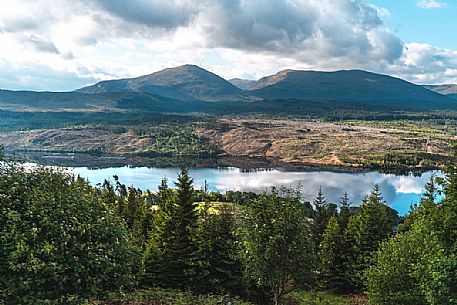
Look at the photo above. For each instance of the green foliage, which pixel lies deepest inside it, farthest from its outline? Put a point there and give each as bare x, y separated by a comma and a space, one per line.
278, 251
419, 265
178, 141
59, 241
321, 217
168, 260
365, 231
169, 297
393, 280
332, 258
317, 298
345, 212
218, 266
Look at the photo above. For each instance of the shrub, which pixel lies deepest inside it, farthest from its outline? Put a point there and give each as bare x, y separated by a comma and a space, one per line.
59, 241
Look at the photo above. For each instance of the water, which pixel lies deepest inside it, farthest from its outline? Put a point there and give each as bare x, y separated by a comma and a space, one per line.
398, 191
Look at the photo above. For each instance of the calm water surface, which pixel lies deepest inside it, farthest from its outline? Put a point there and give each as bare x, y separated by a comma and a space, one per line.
399, 191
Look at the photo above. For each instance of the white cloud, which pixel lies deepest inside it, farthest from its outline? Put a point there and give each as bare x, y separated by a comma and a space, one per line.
430, 4
83, 41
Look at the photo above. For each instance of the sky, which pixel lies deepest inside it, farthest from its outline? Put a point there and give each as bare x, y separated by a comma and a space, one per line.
61, 45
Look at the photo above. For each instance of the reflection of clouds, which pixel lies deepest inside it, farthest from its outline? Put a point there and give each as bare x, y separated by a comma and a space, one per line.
408, 185
397, 190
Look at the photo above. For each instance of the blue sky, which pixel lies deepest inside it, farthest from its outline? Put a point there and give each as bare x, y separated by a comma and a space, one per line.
435, 26
62, 45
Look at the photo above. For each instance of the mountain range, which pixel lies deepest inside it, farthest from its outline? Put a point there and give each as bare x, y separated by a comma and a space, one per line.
190, 88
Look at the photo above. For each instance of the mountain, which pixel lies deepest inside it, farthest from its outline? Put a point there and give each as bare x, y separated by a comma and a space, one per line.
244, 84
190, 88
446, 89
186, 83
346, 85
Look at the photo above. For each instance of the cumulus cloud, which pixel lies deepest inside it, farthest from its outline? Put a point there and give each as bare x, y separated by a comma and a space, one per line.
430, 4
426, 64
101, 39
155, 13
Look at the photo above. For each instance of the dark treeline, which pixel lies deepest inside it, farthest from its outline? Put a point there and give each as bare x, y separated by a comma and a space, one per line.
64, 241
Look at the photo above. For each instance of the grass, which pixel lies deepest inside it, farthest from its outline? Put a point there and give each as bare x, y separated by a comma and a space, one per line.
325, 298
318, 298
167, 297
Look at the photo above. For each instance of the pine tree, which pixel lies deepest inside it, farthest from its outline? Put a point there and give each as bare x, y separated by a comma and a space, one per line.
278, 251
163, 193
431, 189
219, 269
365, 231
321, 217
171, 253
121, 197
345, 211
332, 264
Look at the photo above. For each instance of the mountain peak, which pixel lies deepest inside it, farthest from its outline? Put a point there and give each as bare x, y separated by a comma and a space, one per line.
186, 82
349, 85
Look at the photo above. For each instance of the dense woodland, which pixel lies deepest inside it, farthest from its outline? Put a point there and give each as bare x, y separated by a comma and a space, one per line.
64, 241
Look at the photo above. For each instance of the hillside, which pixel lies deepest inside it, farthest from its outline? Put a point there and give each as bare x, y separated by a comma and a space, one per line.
244, 84
186, 82
446, 89
352, 85
191, 89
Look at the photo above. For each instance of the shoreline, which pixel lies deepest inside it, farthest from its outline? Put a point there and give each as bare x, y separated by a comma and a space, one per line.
245, 163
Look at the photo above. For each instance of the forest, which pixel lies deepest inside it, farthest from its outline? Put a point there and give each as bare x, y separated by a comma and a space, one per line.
64, 241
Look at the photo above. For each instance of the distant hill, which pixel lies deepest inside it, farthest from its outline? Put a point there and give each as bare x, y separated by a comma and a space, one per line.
446, 89
351, 85
190, 88
242, 83
186, 82
31, 101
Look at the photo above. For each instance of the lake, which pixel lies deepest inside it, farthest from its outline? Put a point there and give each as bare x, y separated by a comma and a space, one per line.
398, 191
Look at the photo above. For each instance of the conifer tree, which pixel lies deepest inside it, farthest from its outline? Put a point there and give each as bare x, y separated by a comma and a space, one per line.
219, 269
345, 211
332, 264
278, 252
366, 230
321, 217
171, 253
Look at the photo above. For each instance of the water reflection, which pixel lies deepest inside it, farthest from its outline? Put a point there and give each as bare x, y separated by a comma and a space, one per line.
398, 191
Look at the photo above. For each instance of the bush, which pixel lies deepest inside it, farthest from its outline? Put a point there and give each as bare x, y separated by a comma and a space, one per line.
59, 241
419, 265
393, 280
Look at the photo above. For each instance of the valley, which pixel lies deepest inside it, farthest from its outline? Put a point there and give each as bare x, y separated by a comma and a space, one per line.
348, 119
291, 143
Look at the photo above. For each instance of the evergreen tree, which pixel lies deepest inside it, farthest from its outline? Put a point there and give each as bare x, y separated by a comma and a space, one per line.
133, 206
336, 255
345, 211
278, 252
321, 217
171, 253
419, 265
163, 193
219, 269
332, 264
365, 231
121, 197
431, 189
